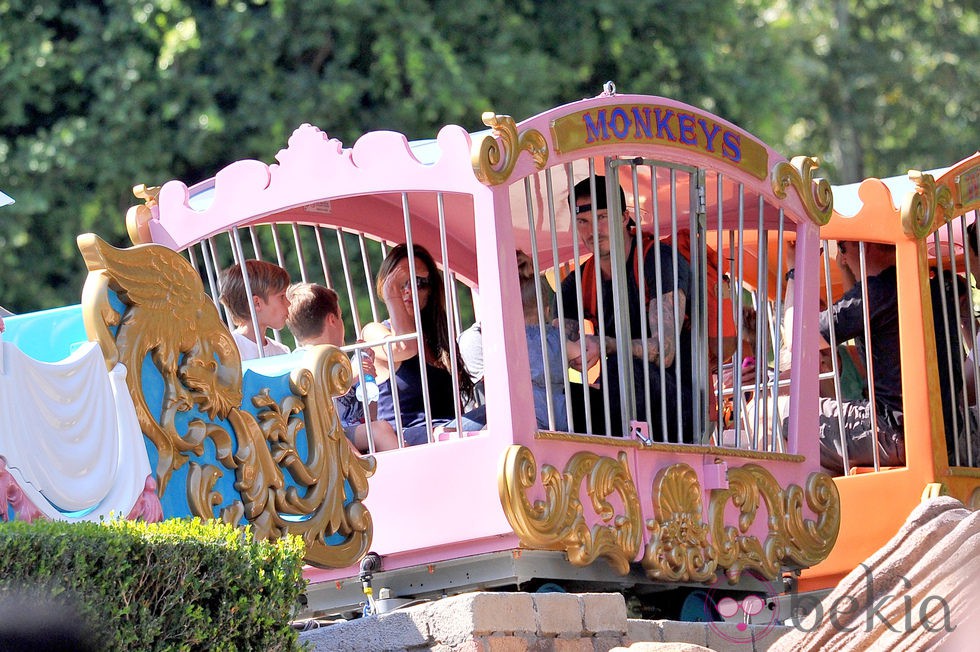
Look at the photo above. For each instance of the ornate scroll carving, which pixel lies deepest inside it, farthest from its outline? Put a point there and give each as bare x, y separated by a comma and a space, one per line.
682, 547
919, 207
791, 538
678, 549
167, 316
493, 163
817, 196
558, 522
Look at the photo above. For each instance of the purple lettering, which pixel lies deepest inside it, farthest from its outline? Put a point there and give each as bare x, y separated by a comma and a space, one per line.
709, 136
685, 123
731, 146
619, 122
662, 125
592, 129
642, 122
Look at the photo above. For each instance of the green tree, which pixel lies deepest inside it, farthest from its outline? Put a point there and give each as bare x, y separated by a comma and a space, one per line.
100, 96
889, 85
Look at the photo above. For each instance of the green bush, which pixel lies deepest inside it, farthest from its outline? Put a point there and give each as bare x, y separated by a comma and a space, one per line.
175, 585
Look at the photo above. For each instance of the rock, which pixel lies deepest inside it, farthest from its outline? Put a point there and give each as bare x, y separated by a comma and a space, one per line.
914, 593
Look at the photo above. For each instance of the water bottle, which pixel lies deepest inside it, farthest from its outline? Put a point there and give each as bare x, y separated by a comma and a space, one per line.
368, 390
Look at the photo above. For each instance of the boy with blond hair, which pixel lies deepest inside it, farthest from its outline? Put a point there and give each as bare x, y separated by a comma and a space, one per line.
315, 318
268, 283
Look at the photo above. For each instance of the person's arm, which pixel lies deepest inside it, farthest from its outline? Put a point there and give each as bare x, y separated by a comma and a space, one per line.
401, 322
661, 314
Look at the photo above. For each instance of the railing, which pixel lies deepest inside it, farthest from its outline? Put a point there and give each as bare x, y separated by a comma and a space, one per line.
731, 247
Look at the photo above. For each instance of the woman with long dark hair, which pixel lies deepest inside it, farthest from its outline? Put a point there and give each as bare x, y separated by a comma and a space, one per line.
395, 287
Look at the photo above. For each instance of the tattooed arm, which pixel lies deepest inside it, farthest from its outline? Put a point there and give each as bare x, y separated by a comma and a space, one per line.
662, 313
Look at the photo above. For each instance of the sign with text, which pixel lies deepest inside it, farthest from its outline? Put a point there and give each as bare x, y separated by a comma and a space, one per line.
656, 124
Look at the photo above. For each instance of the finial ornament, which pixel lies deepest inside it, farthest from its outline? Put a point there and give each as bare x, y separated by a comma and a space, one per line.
919, 213
493, 162
816, 195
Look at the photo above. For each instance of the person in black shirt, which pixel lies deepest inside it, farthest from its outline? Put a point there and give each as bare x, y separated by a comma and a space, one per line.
667, 288
847, 318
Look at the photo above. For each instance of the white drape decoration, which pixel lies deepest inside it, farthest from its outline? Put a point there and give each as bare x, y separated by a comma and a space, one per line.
69, 433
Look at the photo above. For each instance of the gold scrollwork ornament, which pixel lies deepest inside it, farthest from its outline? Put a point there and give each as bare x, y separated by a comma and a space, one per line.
493, 162
684, 548
678, 548
920, 207
791, 538
816, 195
558, 521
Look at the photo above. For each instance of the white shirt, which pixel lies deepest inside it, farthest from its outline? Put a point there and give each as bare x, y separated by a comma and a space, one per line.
250, 350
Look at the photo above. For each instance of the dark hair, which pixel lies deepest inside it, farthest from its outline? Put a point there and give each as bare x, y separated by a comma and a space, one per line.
309, 306
583, 189
529, 286
435, 327
264, 278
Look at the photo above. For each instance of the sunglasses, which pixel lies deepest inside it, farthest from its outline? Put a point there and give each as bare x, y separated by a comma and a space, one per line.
421, 282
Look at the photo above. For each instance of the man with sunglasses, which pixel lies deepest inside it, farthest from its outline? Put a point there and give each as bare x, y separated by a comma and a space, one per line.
667, 289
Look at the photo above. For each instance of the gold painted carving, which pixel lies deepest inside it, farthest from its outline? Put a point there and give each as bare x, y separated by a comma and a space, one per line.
684, 548
919, 208
792, 539
167, 315
934, 490
678, 549
493, 162
817, 196
558, 521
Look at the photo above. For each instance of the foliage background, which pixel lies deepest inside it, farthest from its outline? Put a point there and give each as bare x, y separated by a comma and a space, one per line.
98, 96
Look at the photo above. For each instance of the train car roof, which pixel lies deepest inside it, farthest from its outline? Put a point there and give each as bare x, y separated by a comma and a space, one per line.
848, 203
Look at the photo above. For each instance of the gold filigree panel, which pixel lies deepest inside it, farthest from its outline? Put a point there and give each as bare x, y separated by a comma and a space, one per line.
683, 545
678, 549
558, 522
168, 316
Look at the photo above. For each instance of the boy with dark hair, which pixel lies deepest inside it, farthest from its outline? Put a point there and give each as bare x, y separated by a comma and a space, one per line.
315, 318
268, 283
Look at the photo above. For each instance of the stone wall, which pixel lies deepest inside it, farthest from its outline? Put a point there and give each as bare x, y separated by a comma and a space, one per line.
529, 622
